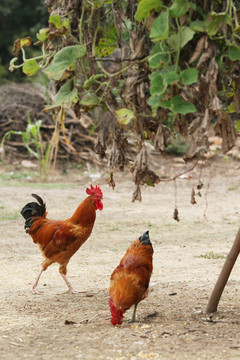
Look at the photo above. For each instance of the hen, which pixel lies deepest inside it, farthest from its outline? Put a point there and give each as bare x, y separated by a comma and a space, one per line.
130, 280
59, 240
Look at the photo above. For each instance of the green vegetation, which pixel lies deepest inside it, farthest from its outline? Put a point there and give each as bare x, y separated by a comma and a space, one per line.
175, 30
178, 146
8, 216
212, 255
159, 68
32, 136
18, 18
30, 180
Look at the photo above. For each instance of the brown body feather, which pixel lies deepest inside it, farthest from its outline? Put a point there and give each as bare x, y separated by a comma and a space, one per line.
130, 280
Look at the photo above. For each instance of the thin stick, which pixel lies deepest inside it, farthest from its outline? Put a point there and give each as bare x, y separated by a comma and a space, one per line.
206, 193
224, 275
87, 320
183, 173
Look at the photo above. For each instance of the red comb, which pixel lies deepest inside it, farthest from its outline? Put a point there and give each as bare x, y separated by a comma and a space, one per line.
94, 190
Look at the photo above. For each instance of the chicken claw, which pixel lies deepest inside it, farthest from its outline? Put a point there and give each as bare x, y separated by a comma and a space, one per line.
76, 291
35, 290
70, 286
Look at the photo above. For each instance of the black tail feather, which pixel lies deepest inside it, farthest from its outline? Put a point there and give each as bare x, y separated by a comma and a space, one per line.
33, 209
144, 239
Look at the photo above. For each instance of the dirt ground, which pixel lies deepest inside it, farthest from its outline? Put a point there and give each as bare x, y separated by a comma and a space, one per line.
188, 257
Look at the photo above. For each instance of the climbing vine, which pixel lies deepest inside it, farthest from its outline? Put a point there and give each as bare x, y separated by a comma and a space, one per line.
157, 68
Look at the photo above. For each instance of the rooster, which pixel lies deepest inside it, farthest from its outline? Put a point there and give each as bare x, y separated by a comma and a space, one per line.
59, 240
130, 280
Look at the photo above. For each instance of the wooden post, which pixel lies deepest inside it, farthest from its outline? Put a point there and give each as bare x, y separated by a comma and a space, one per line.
224, 275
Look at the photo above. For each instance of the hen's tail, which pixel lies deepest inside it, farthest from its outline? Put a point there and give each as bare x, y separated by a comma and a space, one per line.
32, 210
145, 239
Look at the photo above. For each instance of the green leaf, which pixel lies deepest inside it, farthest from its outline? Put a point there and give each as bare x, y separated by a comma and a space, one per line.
215, 20
158, 83
183, 36
154, 102
186, 34
174, 41
65, 96
32, 129
145, 6
56, 20
166, 104
180, 7
108, 43
199, 26
230, 109
63, 60
42, 34
179, 106
90, 100
27, 41
234, 52
189, 76
237, 124
149, 183
160, 27
171, 77
89, 82
66, 23
30, 67
124, 116
160, 56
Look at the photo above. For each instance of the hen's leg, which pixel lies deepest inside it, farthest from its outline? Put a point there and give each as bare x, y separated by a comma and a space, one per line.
134, 314
63, 272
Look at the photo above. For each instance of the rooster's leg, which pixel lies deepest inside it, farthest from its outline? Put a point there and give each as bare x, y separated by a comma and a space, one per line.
44, 265
34, 285
70, 286
63, 272
134, 314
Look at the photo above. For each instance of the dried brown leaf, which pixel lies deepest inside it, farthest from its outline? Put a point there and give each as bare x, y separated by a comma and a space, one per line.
136, 45
19, 43
193, 200
236, 99
216, 104
101, 146
194, 125
111, 181
206, 55
129, 87
206, 121
53, 32
162, 138
199, 185
225, 128
137, 194
118, 150
199, 140
212, 72
175, 215
201, 45
141, 173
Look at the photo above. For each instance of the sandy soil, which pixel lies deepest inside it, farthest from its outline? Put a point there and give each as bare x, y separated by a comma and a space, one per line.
188, 257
